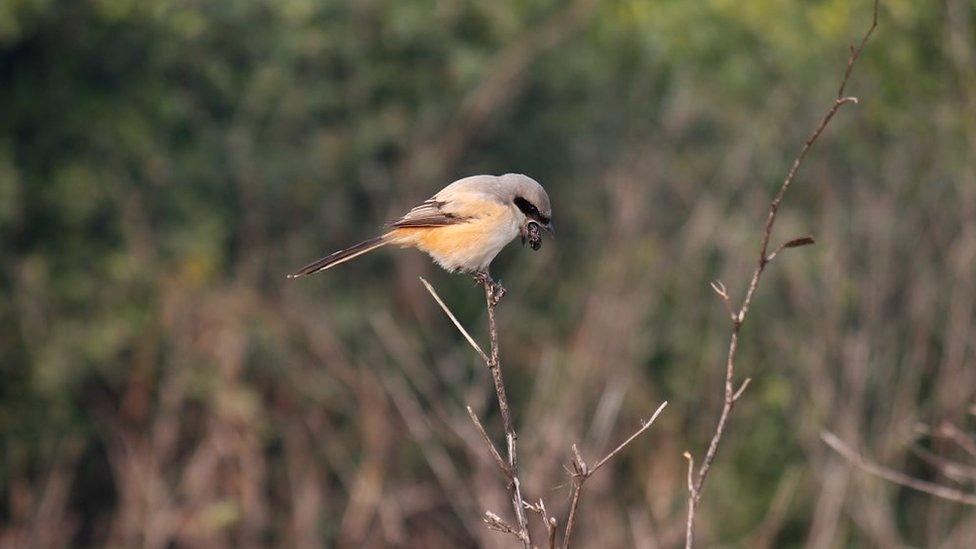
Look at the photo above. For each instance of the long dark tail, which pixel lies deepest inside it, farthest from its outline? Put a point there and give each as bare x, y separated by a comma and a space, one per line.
341, 256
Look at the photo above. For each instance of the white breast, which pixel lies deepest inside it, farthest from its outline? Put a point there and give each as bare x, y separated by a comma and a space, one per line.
496, 239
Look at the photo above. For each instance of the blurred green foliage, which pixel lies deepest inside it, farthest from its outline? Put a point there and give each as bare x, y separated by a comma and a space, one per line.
163, 164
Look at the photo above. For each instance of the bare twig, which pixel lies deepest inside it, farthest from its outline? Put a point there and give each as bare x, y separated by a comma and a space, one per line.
724, 294
495, 522
856, 52
639, 432
579, 474
742, 389
450, 315
550, 522
494, 365
795, 243
580, 471
491, 446
493, 294
891, 475
696, 483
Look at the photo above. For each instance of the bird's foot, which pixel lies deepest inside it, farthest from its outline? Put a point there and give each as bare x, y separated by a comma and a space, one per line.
495, 290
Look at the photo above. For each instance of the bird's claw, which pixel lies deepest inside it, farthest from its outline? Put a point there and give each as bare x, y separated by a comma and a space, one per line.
495, 290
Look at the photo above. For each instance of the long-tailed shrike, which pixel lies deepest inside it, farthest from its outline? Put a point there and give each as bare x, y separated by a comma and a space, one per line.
464, 226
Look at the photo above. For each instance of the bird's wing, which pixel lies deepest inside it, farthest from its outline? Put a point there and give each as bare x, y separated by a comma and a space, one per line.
431, 213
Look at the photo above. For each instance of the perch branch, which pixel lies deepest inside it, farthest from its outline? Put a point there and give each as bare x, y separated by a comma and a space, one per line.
896, 477
580, 471
697, 482
493, 294
511, 438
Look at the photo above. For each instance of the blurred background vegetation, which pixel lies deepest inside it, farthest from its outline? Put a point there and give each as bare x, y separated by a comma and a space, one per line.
163, 164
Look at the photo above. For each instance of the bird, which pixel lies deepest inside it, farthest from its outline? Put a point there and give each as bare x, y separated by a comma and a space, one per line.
462, 227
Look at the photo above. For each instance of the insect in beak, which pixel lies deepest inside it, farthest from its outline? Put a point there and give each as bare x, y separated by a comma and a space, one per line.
531, 232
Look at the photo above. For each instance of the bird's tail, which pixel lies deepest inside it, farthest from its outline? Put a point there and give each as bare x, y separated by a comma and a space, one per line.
342, 256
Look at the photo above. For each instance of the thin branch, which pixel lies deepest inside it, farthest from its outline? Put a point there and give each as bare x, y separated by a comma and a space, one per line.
491, 446
742, 389
579, 477
495, 522
580, 471
630, 439
896, 477
550, 522
696, 483
692, 502
724, 294
795, 243
856, 52
450, 315
493, 294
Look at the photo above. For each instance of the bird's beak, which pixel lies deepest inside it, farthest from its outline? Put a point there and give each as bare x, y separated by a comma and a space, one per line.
550, 228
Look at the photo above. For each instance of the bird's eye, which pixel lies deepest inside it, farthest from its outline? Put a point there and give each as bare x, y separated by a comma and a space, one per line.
527, 207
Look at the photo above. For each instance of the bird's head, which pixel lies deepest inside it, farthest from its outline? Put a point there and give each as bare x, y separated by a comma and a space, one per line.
532, 203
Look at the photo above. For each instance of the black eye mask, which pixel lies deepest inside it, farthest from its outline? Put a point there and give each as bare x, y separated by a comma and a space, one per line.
530, 210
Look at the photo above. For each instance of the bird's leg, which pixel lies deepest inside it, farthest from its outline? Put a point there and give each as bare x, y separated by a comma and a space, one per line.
481, 278
495, 290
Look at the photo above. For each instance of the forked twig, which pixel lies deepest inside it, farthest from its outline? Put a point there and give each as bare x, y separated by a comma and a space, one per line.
550, 522
581, 472
697, 482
